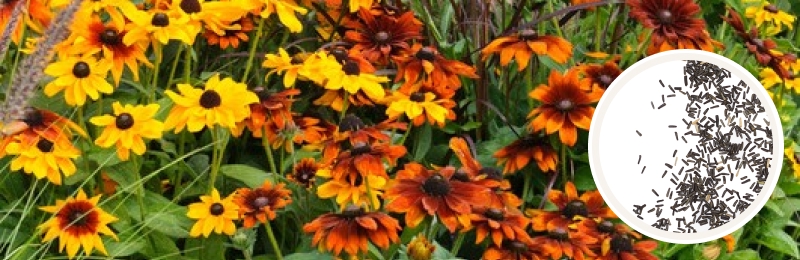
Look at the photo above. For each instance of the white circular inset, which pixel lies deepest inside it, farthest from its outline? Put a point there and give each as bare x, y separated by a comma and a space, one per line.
686, 146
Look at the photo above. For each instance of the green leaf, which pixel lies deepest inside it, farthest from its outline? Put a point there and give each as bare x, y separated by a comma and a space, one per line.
164, 246
778, 240
250, 176
790, 188
771, 205
209, 248
308, 256
174, 225
583, 178
123, 175
423, 142
747, 254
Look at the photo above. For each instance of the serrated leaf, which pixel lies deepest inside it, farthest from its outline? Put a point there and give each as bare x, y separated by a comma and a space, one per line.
778, 240
250, 176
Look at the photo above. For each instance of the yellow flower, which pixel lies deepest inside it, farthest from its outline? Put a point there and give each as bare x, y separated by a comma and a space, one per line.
356, 5
157, 26
770, 78
352, 80
127, 127
284, 64
223, 102
78, 222
415, 105
285, 9
213, 214
42, 157
315, 66
351, 193
217, 16
78, 77
769, 13
792, 156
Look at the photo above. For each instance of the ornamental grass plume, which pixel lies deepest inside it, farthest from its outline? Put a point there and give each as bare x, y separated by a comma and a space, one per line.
32, 67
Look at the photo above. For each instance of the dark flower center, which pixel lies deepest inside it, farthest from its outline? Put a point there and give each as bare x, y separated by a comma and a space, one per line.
110, 36
210, 99
77, 218
352, 211
791, 75
575, 208
664, 16
160, 20
44, 145
296, 60
305, 174
360, 148
262, 93
381, 37
461, 175
191, 6
565, 105
436, 186
350, 123
33, 117
351, 68
81, 70
426, 53
124, 121
527, 34
494, 214
559, 233
340, 54
417, 97
605, 226
260, 202
517, 247
358, 180
621, 244
492, 173
605, 80
771, 8
216, 209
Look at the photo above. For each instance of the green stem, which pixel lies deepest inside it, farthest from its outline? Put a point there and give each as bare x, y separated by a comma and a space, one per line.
369, 197
270, 157
457, 244
253, 45
597, 30
179, 176
551, 9
526, 186
187, 64
174, 66
216, 157
405, 136
272, 241
564, 160
154, 83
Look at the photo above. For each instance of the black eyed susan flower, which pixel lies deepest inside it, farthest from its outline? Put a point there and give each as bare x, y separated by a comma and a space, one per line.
223, 102
283, 63
157, 26
78, 77
234, 34
352, 79
259, 205
213, 214
78, 222
127, 128
418, 107
351, 230
765, 12
285, 9
532, 146
304, 172
43, 157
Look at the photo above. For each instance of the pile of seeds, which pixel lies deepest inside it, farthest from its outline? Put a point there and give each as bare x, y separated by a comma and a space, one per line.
728, 161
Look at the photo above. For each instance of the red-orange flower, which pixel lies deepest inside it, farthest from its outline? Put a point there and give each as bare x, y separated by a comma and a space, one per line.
259, 205
763, 49
379, 37
304, 172
588, 205
44, 123
272, 106
522, 45
351, 230
514, 249
516, 155
232, 36
500, 223
674, 24
601, 75
366, 159
621, 246
566, 106
491, 178
426, 63
418, 191
562, 241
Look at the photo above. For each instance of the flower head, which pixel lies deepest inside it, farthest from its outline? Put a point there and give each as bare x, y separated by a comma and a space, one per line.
285, 9
352, 79
794, 158
765, 12
674, 24
222, 102
601, 75
232, 35
563, 241
127, 128
352, 229
260, 204
621, 246
379, 37
158, 26
514, 249
304, 172
566, 106
519, 153
426, 63
763, 49
78, 222
419, 106
43, 157
78, 77
213, 214
352, 191
283, 63
420, 248
418, 192
499, 225
522, 45
570, 206
40, 122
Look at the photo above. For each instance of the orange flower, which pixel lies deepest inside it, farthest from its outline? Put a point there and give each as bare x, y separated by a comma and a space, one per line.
500, 224
351, 230
426, 63
522, 45
46, 124
36, 14
621, 246
491, 178
763, 49
514, 249
565, 107
417, 191
260, 204
366, 159
275, 107
601, 75
730, 242
588, 205
304, 172
232, 36
674, 24
516, 155
562, 241
379, 37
